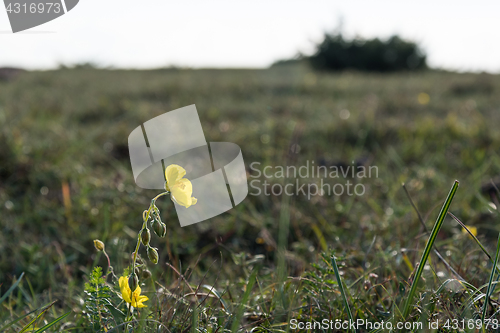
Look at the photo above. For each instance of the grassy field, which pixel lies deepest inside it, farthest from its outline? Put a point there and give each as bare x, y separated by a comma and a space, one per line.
65, 180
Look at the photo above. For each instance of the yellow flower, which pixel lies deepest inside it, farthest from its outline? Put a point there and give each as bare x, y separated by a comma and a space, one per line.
180, 188
135, 298
472, 229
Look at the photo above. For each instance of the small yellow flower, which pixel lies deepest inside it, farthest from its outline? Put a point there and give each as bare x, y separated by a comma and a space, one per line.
180, 188
472, 229
99, 245
135, 298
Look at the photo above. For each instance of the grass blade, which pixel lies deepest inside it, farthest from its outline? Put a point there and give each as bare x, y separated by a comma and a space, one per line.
341, 287
11, 289
34, 320
422, 222
471, 234
49, 325
428, 248
492, 275
214, 291
244, 299
2, 329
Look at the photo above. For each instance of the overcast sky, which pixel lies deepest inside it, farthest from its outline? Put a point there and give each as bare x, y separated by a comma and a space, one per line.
458, 35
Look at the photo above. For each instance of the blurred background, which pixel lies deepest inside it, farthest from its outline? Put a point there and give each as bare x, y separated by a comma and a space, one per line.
457, 35
411, 88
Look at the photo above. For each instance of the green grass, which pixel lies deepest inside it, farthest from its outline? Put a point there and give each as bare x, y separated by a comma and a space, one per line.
489, 290
69, 128
340, 283
427, 250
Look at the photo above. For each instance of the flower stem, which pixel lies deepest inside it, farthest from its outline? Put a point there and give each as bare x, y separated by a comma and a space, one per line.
144, 224
110, 268
153, 201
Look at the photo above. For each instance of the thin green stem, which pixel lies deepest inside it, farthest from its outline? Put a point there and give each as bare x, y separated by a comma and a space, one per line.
110, 268
153, 201
144, 224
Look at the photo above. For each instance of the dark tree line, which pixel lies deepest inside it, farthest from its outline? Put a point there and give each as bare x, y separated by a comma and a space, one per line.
337, 53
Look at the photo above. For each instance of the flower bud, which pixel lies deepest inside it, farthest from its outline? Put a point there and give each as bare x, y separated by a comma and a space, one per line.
99, 245
133, 282
137, 271
146, 274
157, 228
163, 230
145, 236
153, 255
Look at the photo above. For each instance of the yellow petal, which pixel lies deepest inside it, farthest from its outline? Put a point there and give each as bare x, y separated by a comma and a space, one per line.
185, 185
137, 291
181, 198
182, 191
124, 288
139, 305
137, 299
140, 301
173, 173
193, 201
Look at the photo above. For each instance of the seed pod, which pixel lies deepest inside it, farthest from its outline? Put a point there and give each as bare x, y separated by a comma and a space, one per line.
146, 274
145, 236
99, 246
153, 255
133, 282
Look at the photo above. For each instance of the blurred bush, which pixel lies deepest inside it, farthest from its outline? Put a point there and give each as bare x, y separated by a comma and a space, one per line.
394, 54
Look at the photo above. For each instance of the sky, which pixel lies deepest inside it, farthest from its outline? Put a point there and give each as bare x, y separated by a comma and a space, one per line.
456, 35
